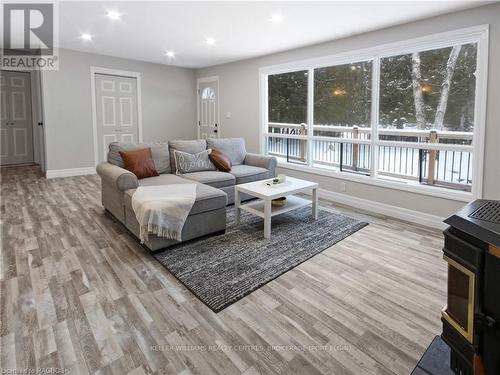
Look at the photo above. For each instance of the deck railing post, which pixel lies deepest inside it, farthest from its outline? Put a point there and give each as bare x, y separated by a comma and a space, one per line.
355, 148
431, 168
302, 131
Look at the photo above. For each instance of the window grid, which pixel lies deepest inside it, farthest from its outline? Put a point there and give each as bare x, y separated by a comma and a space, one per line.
478, 37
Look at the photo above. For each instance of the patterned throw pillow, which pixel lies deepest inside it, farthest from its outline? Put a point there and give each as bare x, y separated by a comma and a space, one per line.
188, 163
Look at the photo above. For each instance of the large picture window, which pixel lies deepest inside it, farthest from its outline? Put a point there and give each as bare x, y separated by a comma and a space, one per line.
408, 118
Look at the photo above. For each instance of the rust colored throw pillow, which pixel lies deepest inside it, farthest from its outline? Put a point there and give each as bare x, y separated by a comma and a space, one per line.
139, 162
220, 160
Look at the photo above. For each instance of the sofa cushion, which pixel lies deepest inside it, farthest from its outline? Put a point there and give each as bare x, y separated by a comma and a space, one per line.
159, 153
213, 178
191, 147
207, 197
248, 173
233, 148
188, 163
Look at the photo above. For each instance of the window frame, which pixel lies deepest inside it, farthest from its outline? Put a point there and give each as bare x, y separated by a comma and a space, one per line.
476, 34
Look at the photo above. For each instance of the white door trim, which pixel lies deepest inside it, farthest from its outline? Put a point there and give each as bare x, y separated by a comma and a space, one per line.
204, 80
34, 119
121, 73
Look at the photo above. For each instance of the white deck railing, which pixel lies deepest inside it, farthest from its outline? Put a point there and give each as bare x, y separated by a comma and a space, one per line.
428, 156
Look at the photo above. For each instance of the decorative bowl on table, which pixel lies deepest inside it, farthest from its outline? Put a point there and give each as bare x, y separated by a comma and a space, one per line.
280, 179
279, 202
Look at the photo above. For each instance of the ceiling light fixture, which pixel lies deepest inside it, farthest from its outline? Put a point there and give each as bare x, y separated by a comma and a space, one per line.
170, 54
210, 41
277, 18
86, 37
113, 15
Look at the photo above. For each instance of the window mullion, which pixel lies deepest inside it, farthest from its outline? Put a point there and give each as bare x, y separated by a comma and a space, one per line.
265, 113
310, 115
375, 116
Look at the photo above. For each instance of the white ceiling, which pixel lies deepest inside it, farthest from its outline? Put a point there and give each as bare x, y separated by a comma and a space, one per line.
241, 29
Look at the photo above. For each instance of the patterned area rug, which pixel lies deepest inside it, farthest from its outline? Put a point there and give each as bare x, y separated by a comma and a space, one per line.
222, 269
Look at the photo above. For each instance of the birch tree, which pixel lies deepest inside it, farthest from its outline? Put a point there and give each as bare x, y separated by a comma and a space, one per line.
445, 87
418, 96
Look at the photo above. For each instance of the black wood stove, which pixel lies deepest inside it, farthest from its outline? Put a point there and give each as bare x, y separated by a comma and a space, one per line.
471, 318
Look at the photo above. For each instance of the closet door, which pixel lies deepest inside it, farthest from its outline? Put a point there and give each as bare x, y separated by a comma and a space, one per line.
16, 130
116, 111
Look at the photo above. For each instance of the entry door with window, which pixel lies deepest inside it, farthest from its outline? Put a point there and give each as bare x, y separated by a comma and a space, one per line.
16, 118
208, 109
116, 111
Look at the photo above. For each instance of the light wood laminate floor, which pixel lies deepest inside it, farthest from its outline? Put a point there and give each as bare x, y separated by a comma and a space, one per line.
79, 294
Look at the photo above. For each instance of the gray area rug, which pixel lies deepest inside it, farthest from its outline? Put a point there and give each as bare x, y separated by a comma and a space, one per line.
222, 269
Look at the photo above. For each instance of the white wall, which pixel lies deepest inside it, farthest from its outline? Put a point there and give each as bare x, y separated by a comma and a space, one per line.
239, 93
168, 105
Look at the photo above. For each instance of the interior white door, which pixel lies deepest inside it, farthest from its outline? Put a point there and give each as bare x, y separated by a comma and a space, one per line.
208, 109
116, 111
16, 130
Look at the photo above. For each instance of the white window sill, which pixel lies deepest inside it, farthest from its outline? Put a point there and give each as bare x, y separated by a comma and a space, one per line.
463, 196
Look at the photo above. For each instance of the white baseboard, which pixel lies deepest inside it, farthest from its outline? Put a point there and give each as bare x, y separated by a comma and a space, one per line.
54, 173
412, 216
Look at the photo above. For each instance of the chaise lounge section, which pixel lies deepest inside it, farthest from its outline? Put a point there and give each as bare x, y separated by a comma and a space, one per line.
214, 189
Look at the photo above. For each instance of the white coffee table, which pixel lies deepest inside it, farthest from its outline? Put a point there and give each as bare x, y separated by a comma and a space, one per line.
263, 207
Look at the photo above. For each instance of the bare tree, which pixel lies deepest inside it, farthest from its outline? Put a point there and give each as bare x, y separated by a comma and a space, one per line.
445, 87
418, 97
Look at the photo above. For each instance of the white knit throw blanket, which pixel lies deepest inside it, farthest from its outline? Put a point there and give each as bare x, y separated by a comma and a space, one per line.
163, 210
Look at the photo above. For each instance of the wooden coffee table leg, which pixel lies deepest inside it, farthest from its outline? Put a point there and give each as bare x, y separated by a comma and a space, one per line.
267, 218
237, 204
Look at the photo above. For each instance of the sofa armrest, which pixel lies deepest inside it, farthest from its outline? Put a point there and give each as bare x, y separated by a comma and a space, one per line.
117, 176
263, 161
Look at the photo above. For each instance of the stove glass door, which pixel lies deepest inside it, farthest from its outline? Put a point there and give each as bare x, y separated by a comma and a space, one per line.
459, 311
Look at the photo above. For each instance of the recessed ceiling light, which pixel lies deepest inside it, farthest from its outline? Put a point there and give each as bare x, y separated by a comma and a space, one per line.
170, 54
210, 41
86, 36
277, 18
113, 15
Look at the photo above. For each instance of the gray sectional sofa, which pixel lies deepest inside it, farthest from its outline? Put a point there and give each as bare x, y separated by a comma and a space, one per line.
214, 189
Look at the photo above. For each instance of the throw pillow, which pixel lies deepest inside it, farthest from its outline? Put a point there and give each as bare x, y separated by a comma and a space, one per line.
187, 163
191, 147
220, 160
139, 162
159, 152
233, 148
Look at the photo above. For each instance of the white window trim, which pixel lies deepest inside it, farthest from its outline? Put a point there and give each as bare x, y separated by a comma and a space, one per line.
476, 34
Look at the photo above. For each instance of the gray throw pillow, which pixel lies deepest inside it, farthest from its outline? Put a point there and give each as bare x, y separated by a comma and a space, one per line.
187, 163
